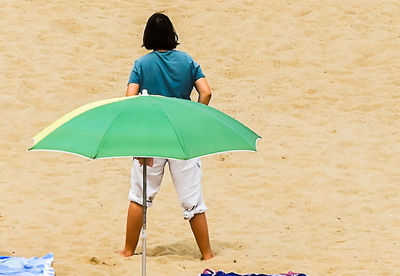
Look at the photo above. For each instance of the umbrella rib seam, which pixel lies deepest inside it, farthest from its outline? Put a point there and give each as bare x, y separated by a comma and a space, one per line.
176, 134
105, 133
255, 145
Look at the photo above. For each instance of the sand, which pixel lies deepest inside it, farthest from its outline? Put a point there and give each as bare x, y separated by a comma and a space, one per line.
318, 80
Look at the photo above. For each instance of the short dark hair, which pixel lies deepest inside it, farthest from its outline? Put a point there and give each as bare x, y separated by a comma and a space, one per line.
159, 33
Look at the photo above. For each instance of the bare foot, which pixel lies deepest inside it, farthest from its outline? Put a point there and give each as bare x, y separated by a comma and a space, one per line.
125, 253
207, 257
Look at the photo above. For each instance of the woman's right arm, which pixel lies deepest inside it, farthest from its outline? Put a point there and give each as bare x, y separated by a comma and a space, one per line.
132, 89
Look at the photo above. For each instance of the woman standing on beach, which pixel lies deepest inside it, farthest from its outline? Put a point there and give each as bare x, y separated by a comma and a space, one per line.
171, 73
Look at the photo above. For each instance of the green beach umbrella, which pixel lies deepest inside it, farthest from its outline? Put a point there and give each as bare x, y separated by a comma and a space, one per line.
145, 126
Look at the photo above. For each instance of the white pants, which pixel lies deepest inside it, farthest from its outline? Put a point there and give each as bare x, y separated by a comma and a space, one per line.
186, 175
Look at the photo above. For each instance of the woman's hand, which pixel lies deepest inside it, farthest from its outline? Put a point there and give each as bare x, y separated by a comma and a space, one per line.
149, 161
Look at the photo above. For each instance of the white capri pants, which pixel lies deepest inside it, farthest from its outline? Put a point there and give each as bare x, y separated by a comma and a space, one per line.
186, 175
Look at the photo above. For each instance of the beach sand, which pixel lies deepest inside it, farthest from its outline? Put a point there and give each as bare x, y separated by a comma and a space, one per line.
318, 80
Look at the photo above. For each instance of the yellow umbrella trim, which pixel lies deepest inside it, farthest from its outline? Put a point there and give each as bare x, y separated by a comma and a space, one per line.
73, 114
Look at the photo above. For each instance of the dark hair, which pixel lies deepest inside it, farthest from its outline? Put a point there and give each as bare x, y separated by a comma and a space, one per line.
159, 33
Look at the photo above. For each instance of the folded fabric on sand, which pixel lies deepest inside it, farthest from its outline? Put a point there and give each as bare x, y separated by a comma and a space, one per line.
209, 272
18, 266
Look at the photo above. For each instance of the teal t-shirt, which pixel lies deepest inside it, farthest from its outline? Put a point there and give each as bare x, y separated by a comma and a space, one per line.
171, 73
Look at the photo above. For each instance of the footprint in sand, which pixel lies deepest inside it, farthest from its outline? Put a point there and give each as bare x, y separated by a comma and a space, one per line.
67, 25
160, 251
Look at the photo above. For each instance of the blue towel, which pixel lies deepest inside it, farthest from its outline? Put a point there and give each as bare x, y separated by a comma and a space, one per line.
18, 266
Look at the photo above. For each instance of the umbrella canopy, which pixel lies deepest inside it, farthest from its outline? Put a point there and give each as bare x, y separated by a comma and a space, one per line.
145, 126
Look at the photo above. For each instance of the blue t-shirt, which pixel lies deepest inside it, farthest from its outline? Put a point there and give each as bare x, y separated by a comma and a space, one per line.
171, 73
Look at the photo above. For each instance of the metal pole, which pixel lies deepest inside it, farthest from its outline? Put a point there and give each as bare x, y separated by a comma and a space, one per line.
144, 217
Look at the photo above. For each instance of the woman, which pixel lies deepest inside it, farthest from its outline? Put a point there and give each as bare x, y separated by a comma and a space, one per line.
171, 73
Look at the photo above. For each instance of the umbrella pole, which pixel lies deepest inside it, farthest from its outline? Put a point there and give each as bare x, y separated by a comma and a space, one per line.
144, 217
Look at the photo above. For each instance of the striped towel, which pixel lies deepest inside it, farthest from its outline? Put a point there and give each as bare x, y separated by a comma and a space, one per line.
209, 272
18, 266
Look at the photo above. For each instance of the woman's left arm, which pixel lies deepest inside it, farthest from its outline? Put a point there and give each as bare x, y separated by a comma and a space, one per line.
204, 91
